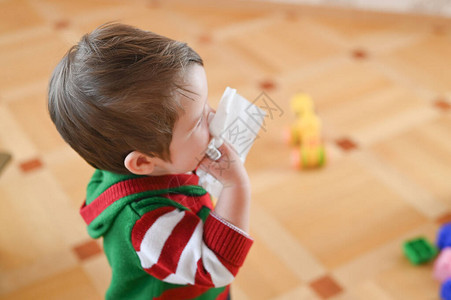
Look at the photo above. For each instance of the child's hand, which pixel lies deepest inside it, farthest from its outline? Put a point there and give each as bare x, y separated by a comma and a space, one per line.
228, 169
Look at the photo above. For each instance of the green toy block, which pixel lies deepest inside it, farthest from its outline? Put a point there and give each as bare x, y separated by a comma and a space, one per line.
419, 250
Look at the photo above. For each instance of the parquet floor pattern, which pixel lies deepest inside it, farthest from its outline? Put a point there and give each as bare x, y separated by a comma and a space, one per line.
380, 83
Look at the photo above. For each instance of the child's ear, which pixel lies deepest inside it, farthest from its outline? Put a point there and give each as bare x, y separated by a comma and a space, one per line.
139, 163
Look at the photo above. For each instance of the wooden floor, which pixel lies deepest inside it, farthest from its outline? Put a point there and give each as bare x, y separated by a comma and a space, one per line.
381, 85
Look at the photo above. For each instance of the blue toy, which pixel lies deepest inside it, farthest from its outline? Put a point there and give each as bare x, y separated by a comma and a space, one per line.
445, 291
444, 236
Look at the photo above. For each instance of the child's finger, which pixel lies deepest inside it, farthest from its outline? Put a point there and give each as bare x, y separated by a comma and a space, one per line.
216, 156
227, 149
206, 163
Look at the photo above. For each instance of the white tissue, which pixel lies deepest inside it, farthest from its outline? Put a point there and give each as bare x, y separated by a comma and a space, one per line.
236, 121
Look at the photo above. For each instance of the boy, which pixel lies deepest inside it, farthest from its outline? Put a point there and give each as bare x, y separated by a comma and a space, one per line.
134, 105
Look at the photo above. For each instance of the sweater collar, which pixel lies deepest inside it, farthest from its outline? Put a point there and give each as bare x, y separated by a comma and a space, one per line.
106, 188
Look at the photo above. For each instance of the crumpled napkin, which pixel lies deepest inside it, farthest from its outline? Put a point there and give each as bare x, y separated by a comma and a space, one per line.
236, 121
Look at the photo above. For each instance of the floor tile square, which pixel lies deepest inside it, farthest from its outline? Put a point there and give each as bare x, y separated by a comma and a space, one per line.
88, 249
326, 287
346, 144
443, 105
31, 165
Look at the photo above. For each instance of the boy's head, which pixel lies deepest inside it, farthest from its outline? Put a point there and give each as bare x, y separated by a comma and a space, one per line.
126, 99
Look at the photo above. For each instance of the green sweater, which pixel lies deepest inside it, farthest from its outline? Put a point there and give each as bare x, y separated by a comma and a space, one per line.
161, 238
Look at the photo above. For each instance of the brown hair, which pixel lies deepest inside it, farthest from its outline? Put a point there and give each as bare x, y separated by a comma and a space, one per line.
113, 93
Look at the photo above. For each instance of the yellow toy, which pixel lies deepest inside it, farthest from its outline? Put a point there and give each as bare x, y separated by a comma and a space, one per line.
305, 134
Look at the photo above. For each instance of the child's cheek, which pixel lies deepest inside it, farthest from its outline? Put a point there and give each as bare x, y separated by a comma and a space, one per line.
199, 140
205, 137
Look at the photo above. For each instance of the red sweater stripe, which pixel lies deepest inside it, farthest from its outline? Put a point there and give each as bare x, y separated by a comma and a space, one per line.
183, 293
195, 204
202, 276
224, 294
133, 186
159, 271
175, 245
147, 220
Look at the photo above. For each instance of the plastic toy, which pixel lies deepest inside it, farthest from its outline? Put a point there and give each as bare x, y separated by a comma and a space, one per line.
442, 265
305, 134
419, 250
445, 291
444, 236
